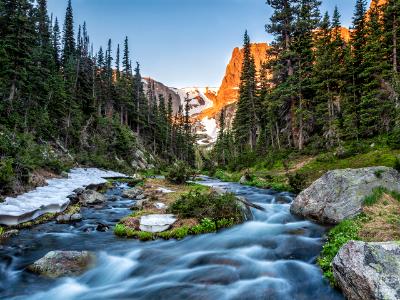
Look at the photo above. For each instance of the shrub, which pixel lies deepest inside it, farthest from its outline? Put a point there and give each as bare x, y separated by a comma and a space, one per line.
213, 206
394, 139
225, 223
344, 232
396, 165
179, 173
378, 173
120, 230
206, 226
6, 171
297, 182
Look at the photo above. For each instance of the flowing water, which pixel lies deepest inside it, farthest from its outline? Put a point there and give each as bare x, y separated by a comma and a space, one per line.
271, 257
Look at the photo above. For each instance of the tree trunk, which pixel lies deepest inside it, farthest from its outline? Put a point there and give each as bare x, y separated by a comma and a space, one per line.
394, 43
277, 135
12, 90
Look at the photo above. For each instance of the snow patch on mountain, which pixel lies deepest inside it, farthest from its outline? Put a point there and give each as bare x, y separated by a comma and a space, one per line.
198, 101
206, 128
210, 126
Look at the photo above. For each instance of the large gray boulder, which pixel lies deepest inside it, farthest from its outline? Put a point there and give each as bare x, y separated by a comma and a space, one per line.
339, 194
63, 263
132, 193
90, 197
368, 271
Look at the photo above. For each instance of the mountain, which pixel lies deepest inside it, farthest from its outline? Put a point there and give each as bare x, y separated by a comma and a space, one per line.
229, 89
161, 89
200, 99
206, 103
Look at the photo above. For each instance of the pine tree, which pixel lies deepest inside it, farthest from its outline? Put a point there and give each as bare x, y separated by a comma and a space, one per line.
220, 144
126, 67
170, 122
68, 36
281, 100
391, 13
109, 81
117, 63
246, 122
56, 45
375, 111
391, 22
17, 38
328, 78
356, 58
140, 108
307, 22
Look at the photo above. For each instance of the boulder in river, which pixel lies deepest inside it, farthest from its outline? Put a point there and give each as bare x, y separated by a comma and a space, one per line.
138, 205
90, 197
132, 193
156, 223
340, 194
63, 263
368, 271
67, 218
102, 227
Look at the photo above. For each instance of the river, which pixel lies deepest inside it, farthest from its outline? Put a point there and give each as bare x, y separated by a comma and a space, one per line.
270, 257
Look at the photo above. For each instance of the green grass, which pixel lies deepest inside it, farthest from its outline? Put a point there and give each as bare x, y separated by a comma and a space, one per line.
260, 180
377, 193
326, 162
338, 236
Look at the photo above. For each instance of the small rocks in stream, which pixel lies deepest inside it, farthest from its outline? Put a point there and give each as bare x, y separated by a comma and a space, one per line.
90, 197
132, 193
79, 191
282, 199
63, 263
156, 223
102, 227
64, 174
76, 217
368, 271
9, 233
140, 197
67, 218
138, 205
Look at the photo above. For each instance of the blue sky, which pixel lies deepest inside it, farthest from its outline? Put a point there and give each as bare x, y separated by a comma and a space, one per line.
181, 43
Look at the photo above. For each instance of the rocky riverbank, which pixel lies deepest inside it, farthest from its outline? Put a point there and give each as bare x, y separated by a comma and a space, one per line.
365, 203
60, 199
